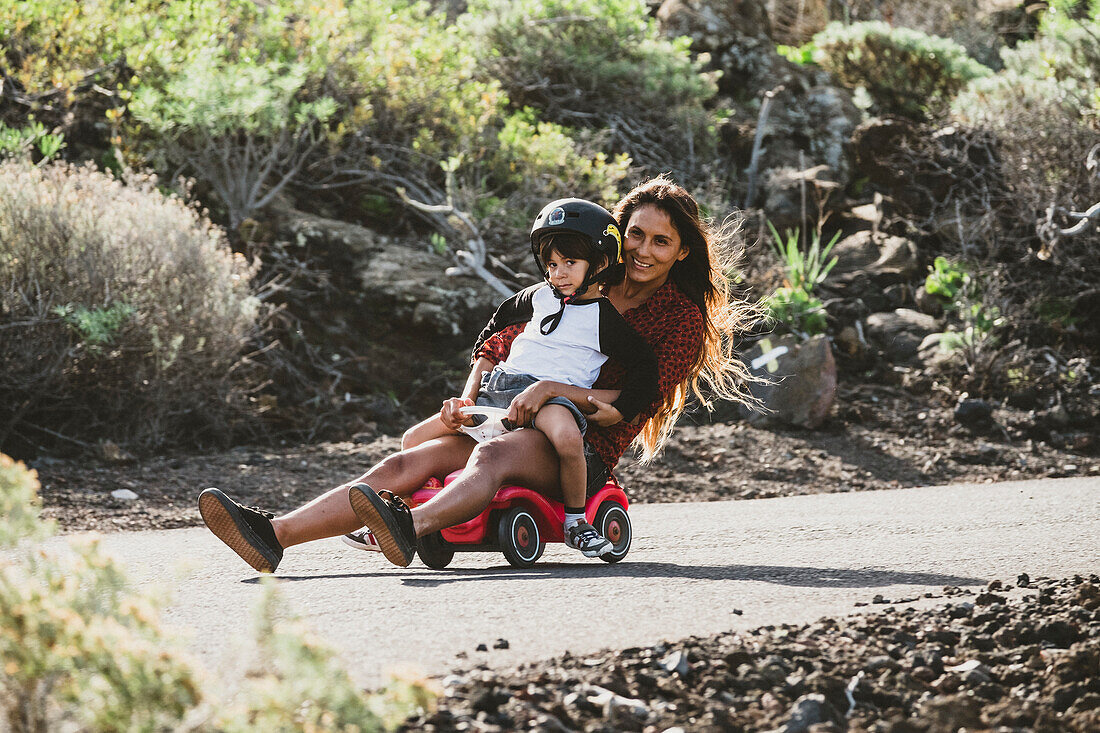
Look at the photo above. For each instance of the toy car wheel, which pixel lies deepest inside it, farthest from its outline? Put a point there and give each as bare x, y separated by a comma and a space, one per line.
613, 522
518, 533
434, 551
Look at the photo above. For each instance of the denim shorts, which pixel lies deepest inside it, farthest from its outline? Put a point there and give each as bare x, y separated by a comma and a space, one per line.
499, 388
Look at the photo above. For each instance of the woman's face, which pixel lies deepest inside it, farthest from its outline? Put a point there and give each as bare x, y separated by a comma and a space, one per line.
651, 246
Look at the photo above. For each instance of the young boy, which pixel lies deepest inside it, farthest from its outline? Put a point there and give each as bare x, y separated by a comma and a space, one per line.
571, 331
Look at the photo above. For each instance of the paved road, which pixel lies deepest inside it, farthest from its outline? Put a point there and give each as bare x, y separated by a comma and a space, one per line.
692, 568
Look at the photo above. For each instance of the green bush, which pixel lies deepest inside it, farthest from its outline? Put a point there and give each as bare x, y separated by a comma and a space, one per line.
599, 64
544, 159
123, 311
904, 72
298, 686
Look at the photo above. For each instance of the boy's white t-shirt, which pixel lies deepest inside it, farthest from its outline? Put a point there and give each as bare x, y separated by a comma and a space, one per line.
589, 332
569, 354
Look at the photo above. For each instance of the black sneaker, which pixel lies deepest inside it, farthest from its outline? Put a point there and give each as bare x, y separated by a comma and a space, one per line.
584, 537
247, 530
389, 519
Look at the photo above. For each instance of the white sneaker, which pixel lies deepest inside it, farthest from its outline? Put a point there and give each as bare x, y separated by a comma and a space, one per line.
362, 539
584, 537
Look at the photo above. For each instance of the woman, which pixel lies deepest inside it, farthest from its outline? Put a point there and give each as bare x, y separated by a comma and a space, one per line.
674, 294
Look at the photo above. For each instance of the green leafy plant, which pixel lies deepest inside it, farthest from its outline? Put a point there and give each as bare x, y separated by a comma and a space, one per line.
96, 326
802, 55
804, 270
945, 280
794, 305
801, 312
242, 126
546, 158
438, 242
904, 71
961, 296
32, 137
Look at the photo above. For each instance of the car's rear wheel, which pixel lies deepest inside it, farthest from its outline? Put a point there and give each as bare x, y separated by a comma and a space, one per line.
434, 551
613, 523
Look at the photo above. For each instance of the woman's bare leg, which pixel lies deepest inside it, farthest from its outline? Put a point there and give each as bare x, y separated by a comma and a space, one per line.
524, 457
331, 515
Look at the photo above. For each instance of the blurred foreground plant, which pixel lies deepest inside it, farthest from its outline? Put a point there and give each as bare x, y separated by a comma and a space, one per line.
81, 650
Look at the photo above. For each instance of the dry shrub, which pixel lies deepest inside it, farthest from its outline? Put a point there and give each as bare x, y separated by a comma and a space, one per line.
122, 313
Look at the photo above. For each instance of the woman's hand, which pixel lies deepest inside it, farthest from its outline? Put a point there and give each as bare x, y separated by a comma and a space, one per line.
605, 415
449, 414
528, 402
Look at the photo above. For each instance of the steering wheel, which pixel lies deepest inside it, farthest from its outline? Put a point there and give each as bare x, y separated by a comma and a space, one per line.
495, 422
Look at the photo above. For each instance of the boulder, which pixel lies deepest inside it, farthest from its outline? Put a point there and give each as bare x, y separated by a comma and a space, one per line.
854, 253
402, 285
883, 257
898, 257
900, 333
711, 25
782, 198
810, 120
801, 380
329, 236
408, 288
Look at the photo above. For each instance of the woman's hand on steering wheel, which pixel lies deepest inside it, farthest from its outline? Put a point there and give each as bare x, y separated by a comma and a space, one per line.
449, 414
605, 415
527, 403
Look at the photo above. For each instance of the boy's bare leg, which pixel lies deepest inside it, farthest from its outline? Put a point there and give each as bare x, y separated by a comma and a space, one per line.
560, 428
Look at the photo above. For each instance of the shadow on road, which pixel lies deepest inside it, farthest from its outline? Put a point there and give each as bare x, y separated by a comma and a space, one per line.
778, 574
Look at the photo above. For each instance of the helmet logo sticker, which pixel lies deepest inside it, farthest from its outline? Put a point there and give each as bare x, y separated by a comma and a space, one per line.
614, 232
557, 216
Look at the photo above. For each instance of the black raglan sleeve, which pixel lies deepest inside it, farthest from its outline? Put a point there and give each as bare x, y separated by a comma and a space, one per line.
619, 340
517, 309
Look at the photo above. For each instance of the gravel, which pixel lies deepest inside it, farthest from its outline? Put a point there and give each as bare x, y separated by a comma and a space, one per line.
1022, 656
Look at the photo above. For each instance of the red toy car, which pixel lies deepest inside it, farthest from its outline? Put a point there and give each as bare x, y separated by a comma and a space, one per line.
519, 522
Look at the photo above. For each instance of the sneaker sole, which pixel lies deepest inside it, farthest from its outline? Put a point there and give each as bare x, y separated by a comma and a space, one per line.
372, 511
224, 519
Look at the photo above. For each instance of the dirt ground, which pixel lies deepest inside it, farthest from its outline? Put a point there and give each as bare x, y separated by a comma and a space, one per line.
879, 437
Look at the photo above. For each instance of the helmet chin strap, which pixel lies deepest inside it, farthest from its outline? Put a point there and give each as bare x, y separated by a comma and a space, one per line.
550, 322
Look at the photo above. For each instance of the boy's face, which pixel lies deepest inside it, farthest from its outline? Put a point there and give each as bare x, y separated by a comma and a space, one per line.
565, 274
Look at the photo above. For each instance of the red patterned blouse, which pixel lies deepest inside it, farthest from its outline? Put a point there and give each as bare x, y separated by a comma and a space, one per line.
672, 325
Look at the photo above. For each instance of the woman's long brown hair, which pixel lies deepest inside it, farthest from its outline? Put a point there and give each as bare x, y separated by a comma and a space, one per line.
703, 277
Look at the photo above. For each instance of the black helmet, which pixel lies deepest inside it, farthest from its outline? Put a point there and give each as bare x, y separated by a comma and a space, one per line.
583, 217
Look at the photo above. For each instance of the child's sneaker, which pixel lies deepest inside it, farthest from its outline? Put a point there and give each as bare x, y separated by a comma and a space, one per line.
362, 539
584, 537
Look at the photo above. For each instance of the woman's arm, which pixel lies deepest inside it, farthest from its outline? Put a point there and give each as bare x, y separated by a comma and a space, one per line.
530, 401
